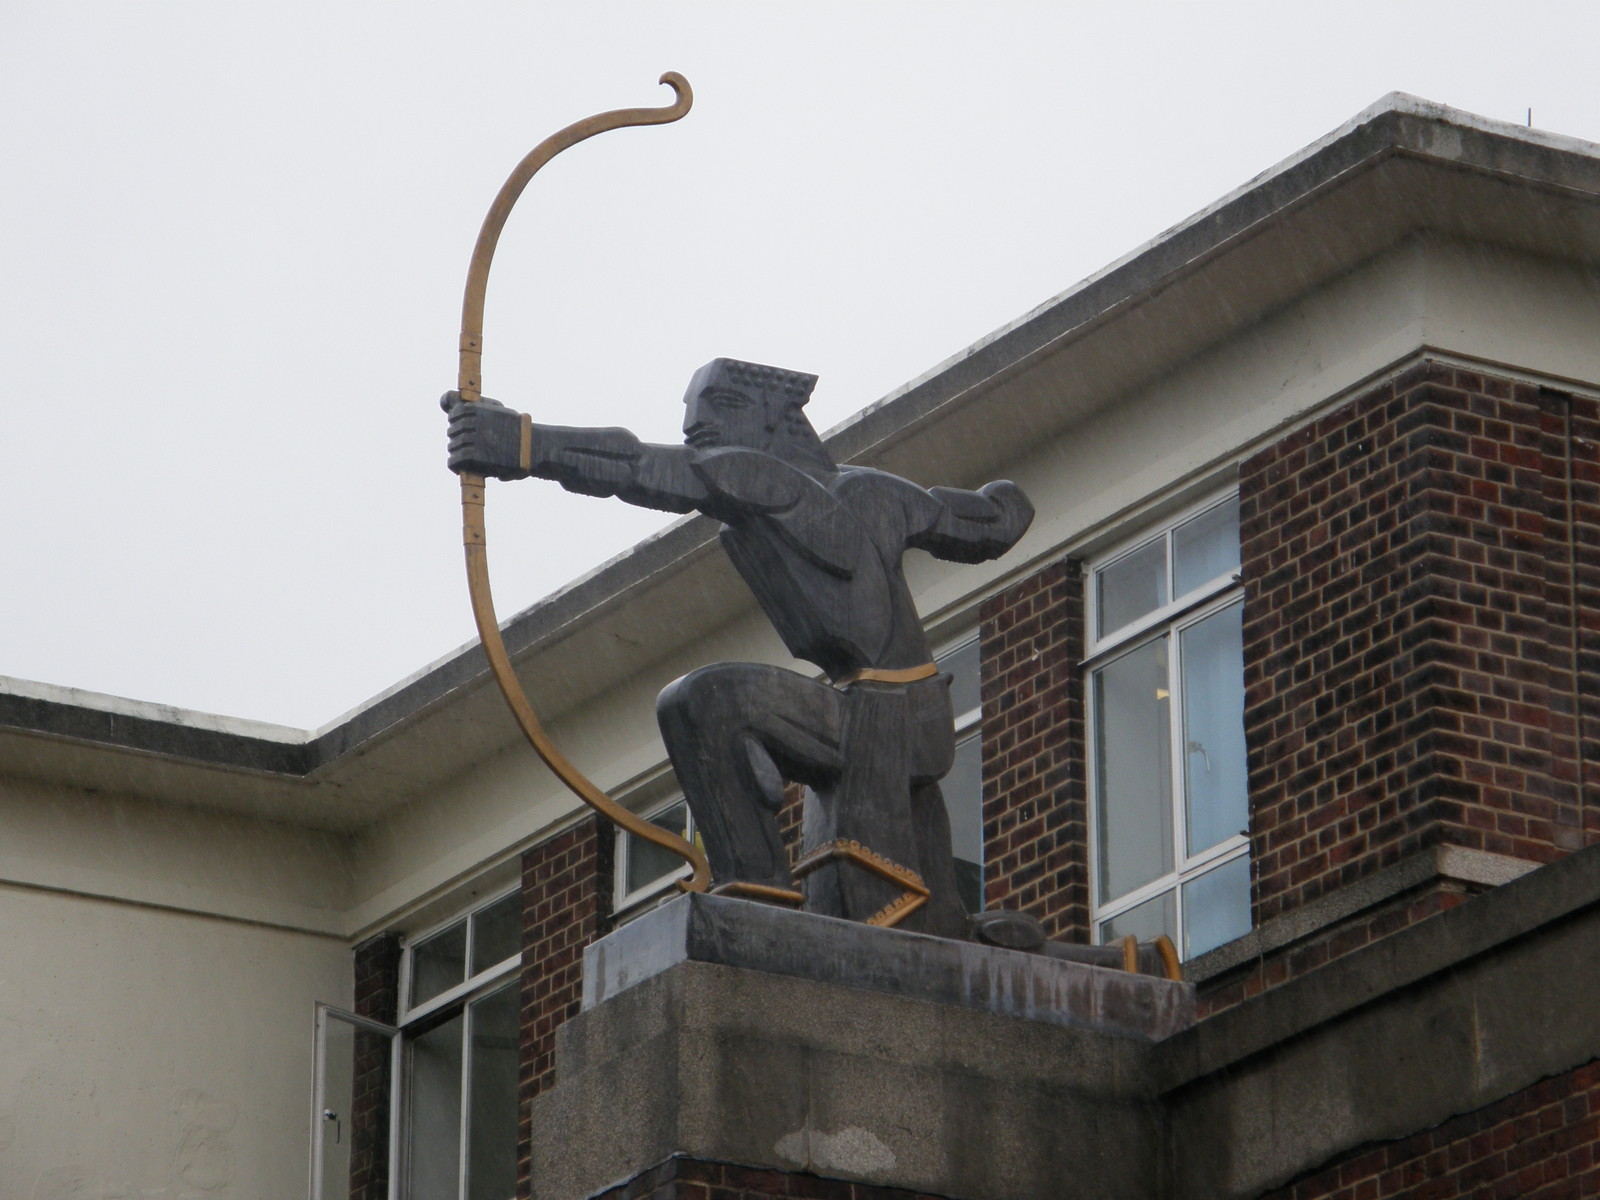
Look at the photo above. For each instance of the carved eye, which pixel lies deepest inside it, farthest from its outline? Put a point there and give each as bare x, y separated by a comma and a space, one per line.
727, 401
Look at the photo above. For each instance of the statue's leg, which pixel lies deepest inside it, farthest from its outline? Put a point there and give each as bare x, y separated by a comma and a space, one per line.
898, 741
943, 914
735, 732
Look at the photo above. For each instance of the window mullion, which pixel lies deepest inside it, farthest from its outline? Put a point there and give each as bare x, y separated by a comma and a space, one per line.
1139, 895
1180, 752
469, 1018
1180, 810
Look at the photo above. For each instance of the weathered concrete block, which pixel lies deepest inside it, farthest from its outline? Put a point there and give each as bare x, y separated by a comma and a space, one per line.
762, 1069
757, 937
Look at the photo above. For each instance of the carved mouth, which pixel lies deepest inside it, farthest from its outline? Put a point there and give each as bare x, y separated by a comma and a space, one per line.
704, 439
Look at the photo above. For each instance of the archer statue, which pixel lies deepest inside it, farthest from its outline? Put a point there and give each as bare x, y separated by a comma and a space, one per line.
820, 546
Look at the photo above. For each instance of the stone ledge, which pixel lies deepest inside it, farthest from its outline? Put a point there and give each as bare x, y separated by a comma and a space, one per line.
1457, 863
776, 941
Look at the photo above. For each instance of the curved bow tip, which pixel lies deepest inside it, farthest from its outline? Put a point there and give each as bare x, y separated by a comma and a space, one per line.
680, 85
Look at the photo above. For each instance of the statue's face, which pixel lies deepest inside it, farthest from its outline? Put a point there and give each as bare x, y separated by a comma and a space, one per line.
718, 415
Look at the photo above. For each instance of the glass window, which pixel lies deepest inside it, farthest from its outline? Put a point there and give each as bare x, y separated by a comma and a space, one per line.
1132, 587
460, 1050
1166, 701
963, 786
485, 937
352, 1100
439, 963
645, 869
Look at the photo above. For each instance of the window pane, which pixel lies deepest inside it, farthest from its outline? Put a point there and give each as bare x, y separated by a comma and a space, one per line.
1145, 921
648, 862
339, 1051
1212, 661
962, 665
492, 1112
1133, 586
1216, 907
963, 800
439, 963
352, 1117
496, 932
1133, 771
1206, 546
433, 1150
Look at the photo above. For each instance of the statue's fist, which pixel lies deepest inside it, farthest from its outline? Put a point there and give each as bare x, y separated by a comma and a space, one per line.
485, 437
1016, 510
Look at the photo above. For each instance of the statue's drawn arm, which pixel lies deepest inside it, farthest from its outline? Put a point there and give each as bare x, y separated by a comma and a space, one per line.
962, 526
487, 438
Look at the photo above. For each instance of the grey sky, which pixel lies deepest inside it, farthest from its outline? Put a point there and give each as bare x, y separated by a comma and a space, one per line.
234, 237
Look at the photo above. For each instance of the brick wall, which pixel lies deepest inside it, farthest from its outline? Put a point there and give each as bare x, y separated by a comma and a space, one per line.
1333, 941
1539, 1144
1035, 823
566, 898
377, 996
1412, 647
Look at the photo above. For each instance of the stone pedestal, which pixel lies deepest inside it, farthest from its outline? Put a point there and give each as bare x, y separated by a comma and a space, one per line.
792, 1046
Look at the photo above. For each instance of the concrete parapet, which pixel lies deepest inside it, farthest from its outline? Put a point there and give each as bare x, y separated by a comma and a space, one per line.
776, 941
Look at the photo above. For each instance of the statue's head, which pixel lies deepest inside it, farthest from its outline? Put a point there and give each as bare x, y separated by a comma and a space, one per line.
734, 403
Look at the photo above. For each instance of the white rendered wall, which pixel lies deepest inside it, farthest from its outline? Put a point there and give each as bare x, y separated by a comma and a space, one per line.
153, 1055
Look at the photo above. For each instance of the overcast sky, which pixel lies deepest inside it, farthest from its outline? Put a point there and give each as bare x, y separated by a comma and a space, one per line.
234, 236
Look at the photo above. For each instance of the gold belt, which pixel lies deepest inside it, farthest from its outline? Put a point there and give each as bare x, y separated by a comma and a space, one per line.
874, 675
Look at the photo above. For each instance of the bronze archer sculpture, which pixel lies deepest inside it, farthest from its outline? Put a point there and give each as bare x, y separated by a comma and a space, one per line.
820, 546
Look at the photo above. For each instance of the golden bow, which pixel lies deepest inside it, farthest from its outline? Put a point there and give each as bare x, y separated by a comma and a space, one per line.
470, 385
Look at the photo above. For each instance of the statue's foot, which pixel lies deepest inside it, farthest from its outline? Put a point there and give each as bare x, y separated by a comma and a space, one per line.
1156, 957
1019, 931
1013, 930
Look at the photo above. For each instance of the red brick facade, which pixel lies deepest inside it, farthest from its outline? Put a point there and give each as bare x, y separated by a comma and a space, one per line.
566, 904
1410, 632
1035, 818
377, 997
1422, 663
1539, 1144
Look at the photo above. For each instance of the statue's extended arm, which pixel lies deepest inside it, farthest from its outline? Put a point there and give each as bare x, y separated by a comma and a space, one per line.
486, 438
975, 526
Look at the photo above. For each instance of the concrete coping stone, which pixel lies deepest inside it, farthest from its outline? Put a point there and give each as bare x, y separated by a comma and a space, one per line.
759, 937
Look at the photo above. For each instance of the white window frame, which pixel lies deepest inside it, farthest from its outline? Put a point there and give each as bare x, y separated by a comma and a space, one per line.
622, 901
1170, 619
482, 980
321, 1114
418, 1019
